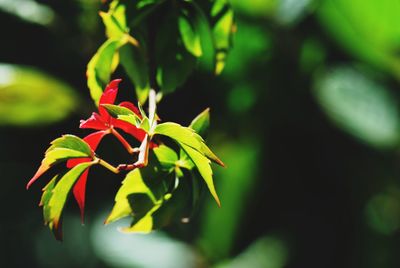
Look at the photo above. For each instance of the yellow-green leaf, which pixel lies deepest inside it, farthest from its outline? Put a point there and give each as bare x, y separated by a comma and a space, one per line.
59, 196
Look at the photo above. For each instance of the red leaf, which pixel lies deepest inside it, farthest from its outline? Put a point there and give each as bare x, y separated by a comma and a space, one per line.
108, 97
139, 134
79, 193
95, 121
79, 189
131, 106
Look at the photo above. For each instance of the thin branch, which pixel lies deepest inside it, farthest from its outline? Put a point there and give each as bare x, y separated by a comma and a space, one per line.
124, 142
107, 166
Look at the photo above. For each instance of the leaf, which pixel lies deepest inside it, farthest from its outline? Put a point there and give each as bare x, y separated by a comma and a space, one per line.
360, 106
116, 110
101, 66
135, 65
202, 164
222, 29
195, 148
358, 26
47, 193
166, 156
62, 149
115, 21
188, 137
30, 97
72, 142
189, 29
132, 184
174, 62
59, 196
201, 123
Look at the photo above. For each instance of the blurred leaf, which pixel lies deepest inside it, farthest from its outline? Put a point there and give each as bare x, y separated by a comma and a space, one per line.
31, 97
222, 28
312, 55
255, 8
201, 123
134, 62
220, 227
266, 252
246, 53
359, 106
383, 211
289, 12
189, 28
62, 149
29, 10
59, 197
367, 29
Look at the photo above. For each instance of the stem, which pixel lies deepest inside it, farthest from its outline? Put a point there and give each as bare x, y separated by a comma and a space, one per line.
107, 166
152, 109
124, 142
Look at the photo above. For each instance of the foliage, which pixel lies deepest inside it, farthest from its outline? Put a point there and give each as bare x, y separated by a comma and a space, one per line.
155, 190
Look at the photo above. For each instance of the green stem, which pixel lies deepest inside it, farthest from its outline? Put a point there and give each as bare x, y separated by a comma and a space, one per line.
107, 165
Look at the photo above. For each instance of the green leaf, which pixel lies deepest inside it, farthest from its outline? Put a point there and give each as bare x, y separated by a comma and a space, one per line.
189, 29
133, 59
29, 97
367, 37
115, 21
47, 193
132, 184
116, 110
359, 106
174, 62
62, 149
166, 156
101, 66
59, 196
202, 164
72, 142
145, 125
222, 28
188, 137
201, 123
132, 119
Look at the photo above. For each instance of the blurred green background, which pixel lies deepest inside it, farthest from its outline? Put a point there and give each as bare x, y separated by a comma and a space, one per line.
305, 115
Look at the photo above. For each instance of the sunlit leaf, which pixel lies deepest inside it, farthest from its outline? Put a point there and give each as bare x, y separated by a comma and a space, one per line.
117, 110
201, 123
31, 97
115, 20
359, 106
188, 23
62, 149
101, 66
202, 164
59, 196
132, 184
47, 193
188, 137
222, 28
